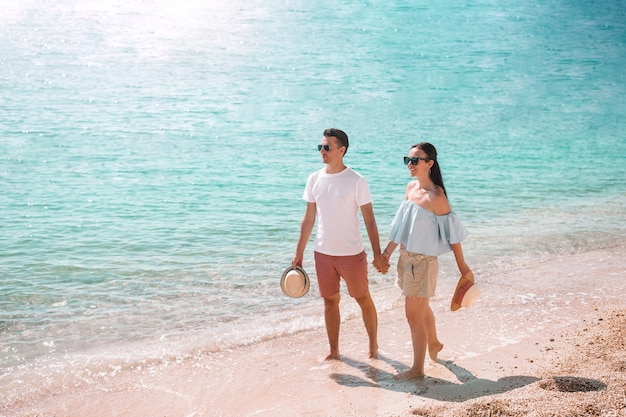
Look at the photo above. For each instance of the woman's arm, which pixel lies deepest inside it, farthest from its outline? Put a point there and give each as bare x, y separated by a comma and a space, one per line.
391, 246
464, 268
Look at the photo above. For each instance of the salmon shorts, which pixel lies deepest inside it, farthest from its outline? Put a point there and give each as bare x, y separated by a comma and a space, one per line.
353, 270
417, 274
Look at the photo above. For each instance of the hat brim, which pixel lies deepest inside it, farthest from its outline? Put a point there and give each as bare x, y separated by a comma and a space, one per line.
302, 290
471, 296
464, 284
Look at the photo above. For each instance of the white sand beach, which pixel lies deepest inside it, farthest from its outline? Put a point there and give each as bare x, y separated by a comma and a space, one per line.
554, 347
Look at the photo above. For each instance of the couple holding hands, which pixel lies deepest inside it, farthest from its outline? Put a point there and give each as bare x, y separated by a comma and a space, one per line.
424, 227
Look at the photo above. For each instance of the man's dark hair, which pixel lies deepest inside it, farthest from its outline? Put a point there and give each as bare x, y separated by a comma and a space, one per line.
341, 136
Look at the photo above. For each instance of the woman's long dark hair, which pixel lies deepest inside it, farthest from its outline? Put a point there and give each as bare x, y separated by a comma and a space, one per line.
435, 171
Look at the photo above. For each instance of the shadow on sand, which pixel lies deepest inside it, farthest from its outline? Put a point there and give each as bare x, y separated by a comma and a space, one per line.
467, 388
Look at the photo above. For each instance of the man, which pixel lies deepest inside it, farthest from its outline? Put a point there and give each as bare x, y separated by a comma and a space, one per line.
334, 195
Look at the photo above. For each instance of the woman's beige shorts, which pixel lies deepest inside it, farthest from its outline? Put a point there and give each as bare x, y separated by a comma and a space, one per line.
417, 274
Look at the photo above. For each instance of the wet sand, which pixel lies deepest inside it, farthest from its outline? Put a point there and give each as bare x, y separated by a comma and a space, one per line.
541, 341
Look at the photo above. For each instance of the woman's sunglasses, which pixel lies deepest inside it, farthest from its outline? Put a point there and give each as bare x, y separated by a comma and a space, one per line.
414, 160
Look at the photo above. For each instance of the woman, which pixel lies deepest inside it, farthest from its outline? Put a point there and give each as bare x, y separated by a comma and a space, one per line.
425, 227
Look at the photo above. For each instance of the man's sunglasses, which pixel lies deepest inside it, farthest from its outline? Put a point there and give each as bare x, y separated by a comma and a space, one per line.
414, 160
326, 147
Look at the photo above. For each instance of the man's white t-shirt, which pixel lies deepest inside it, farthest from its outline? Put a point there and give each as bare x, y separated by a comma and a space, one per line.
338, 198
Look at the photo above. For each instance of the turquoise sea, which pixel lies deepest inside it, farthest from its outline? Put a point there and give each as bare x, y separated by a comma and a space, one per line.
153, 156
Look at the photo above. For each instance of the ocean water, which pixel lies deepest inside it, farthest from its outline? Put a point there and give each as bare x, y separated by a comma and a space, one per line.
153, 156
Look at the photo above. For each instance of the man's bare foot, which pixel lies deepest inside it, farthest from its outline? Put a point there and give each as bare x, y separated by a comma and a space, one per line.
332, 356
374, 352
433, 351
410, 374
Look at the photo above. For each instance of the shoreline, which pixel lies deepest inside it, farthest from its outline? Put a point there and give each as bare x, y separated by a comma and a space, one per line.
512, 353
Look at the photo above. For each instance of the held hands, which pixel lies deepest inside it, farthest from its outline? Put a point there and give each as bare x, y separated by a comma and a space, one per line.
381, 263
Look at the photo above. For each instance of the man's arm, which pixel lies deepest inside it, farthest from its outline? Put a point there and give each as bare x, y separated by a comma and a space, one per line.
306, 228
367, 210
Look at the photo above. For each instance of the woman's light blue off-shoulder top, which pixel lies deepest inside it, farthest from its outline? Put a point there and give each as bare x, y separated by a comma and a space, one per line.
422, 231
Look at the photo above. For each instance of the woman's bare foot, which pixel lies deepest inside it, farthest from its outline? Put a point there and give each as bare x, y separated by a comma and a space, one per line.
434, 350
410, 374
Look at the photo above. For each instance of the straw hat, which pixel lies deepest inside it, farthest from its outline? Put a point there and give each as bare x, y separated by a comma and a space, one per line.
295, 282
466, 293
